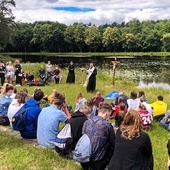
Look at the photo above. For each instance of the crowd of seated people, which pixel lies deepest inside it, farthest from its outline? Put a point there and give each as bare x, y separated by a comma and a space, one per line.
91, 116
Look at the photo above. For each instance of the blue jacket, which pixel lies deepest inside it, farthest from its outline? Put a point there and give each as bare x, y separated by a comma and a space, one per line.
33, 112
5, 101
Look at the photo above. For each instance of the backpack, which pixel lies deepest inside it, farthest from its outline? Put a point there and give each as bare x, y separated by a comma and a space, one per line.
4, 120
18, 120
64, 140
83, 149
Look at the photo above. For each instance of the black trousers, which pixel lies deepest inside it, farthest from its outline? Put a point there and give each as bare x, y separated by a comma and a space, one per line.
101, 164
2, 80
18, 80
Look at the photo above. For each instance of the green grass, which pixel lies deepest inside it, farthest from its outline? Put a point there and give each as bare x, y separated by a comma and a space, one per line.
17, 154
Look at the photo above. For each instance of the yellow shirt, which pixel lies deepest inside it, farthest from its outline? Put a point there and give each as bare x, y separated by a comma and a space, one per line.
159, 108
50, 98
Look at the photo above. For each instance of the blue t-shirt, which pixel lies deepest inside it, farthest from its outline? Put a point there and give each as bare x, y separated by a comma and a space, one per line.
48, 125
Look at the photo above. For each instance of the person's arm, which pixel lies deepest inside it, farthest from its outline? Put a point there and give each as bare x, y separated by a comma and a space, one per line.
66, 111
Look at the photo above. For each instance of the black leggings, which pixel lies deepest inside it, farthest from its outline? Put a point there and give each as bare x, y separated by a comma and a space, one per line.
2, 80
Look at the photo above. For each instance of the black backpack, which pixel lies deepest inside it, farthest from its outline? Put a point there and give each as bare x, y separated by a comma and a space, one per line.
4, 120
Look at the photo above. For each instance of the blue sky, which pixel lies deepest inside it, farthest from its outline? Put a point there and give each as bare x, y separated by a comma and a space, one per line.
73, 9
97, 12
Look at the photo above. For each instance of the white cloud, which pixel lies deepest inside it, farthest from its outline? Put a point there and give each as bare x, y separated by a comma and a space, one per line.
106, 11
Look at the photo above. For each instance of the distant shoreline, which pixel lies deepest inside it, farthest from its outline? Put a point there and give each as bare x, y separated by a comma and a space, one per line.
91, 54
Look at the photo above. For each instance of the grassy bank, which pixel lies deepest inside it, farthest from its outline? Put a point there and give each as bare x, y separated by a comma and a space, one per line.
92, 54
16, 154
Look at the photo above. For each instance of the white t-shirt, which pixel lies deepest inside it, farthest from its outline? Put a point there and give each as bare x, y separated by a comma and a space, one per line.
10, 68
49, 67
80, 103
133, 104
12, 109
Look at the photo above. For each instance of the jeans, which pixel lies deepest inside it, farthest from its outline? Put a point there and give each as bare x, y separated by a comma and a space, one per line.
165, 125
48, 76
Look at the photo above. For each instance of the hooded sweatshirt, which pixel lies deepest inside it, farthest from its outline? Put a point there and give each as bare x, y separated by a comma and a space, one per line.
159, 108
33, 112
76, 121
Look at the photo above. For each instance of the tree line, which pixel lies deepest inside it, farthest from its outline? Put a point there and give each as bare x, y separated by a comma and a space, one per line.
134, 36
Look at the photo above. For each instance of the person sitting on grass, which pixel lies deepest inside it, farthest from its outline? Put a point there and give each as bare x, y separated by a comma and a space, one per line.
116, 108
76, 122
98, 98
133, 148
120, 115
165, 122
159, 108
49, 120
133, 102
90, 103
51, 96
29, 77
121, 94
80, 101
42, 73
5, 98
30, 130
142, 96
16, 104
102, 137
56, 75
148, 107
145, 117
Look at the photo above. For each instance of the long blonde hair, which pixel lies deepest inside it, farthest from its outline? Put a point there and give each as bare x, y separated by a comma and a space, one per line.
131, 125
6, 87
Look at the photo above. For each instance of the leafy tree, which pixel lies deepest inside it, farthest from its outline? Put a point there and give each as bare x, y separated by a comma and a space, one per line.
37, 34
108, 38
69, 36
135, 26
92, 37
166, 42
111, 38
129, 42
23, 36
6, 22
45, 30
57, 36
79, 35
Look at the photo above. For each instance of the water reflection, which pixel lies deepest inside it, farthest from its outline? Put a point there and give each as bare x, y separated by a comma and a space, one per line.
144, 84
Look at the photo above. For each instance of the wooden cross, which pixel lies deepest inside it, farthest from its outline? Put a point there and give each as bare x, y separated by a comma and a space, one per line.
115, 62
82, 70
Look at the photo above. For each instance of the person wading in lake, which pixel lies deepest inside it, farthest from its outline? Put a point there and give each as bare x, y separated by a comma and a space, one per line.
71, 74
91, 78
